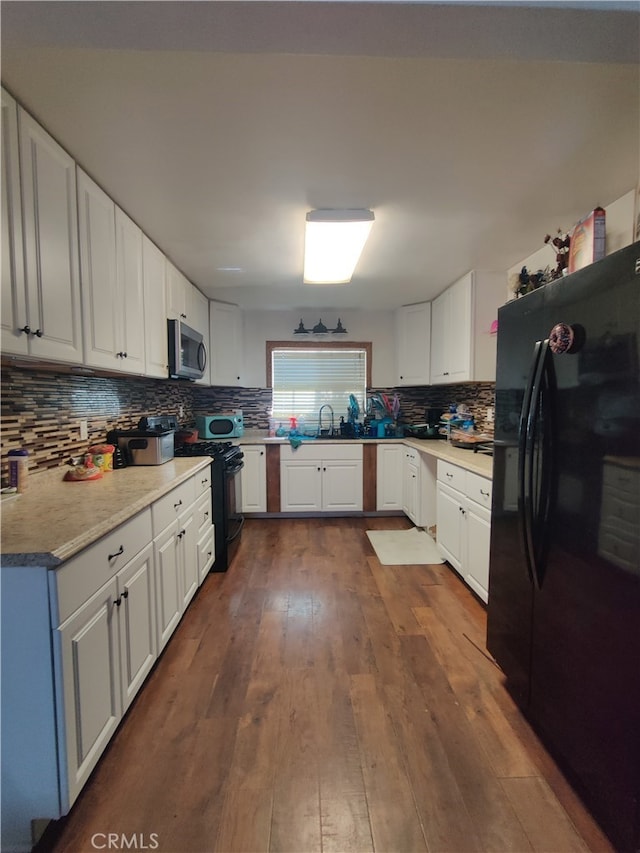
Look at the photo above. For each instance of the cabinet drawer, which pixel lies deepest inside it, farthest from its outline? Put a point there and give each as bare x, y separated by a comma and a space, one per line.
411, 453
479, 489
79, 578
168, 508
322, 450
206, 553
202, 481
452, 475
202, 512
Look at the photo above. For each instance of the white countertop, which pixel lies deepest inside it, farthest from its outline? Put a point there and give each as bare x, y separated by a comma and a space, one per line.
53, 520
478, 463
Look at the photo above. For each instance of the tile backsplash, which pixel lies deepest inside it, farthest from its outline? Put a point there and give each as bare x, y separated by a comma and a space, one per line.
41, 409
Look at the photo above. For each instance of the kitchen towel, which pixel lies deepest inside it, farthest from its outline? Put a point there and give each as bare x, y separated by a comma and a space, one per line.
404, 547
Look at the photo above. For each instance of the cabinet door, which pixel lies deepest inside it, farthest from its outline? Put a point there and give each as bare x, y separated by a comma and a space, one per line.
188, 539
168, 594
97, 226
130, 294
413, 335
450, 519
342, 485
440, 323
301, 485
199, 320
138, 641
50, 210
14, 298
254, 479
390, 480
177, 294
226, 346
476, 558
460, 343
91, 683
206, 553
155, 310
411, 490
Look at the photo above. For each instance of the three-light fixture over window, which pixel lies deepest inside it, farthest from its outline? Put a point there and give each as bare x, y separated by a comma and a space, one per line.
333, 243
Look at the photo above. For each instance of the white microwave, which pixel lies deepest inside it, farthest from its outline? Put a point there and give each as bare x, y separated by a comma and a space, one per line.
187, 351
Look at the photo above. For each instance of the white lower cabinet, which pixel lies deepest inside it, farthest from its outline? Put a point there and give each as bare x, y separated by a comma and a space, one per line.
91, 683
418, 492
168, 596
105, 636
108, 647
253, 478
137, 615
323, 478
180, 520
87, 633
389, 477
464, 524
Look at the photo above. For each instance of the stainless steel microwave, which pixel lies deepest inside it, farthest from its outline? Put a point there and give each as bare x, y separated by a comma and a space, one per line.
220, 426
187, 351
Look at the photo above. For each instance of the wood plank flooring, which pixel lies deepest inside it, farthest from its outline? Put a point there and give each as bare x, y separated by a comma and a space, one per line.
315, 700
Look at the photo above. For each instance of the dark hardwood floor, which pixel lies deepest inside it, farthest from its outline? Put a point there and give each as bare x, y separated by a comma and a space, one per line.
315, 700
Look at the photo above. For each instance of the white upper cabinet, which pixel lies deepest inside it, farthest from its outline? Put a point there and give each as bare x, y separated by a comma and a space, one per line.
97, 226
155, 310
178, 295
130, 293
462, 348
199, 314
112, 285
51, 288
14, 297
413, 339
226, 349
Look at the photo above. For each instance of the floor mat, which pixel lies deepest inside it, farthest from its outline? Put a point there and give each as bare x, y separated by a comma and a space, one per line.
404, 547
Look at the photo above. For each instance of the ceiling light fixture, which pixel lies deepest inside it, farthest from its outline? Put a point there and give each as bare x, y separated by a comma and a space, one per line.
334, 240
320, 329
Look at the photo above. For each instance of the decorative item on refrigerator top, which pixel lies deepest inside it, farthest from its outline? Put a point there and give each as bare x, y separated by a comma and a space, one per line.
225, 425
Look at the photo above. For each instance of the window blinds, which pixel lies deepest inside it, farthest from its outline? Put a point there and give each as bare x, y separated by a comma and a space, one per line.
304, 380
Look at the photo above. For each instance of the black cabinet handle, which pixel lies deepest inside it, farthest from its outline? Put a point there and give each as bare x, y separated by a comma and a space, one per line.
125, 593
38, 333
175, 506
117, 554
118, 601
26, 330
206, 515
482, 492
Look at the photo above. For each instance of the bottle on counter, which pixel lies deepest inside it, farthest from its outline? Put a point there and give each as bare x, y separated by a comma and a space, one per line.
18, 469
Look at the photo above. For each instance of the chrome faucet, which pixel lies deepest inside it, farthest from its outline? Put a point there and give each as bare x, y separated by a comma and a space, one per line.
325, 406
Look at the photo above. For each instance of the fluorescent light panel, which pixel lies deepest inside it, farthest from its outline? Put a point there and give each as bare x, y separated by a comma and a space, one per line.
334, 240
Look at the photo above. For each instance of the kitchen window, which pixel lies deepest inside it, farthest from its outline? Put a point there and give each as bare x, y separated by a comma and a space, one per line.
306, 376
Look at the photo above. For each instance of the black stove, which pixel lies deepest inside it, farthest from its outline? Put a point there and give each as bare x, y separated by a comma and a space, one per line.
222, 450
226, 495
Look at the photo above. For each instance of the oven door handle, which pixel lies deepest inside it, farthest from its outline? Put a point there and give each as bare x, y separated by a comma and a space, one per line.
234, 469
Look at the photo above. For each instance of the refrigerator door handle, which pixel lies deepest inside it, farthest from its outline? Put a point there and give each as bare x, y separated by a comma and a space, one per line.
526, 460
524, 509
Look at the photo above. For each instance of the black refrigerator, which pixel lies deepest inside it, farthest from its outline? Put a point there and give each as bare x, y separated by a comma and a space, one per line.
564, 585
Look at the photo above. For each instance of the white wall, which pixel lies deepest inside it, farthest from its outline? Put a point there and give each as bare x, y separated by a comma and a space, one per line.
361, 325
619, 233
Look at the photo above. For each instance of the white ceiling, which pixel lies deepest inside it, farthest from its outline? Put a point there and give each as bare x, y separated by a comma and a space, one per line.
471, 130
